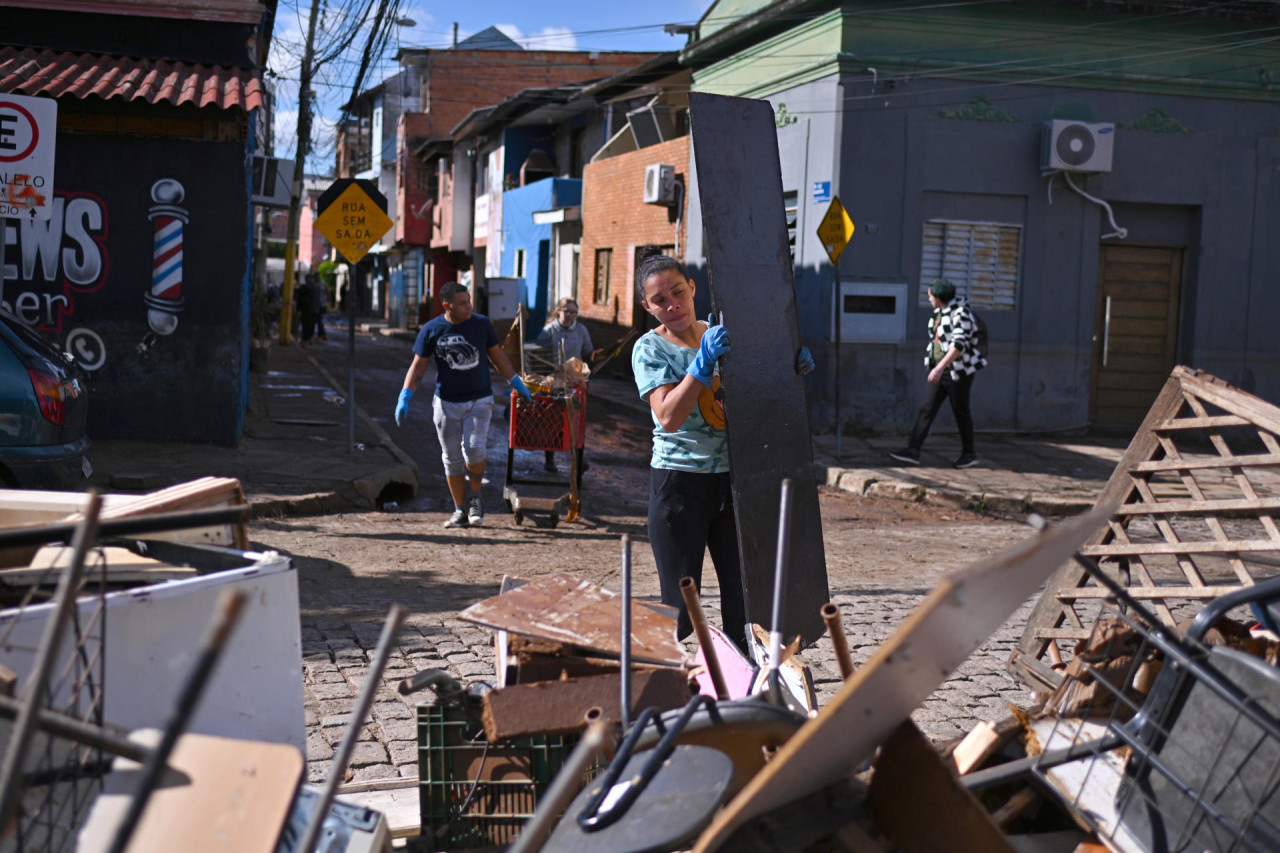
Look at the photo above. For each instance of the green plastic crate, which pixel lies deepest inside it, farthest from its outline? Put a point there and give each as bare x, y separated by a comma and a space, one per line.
476, 794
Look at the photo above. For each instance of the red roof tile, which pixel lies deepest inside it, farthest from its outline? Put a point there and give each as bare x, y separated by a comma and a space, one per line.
55, 74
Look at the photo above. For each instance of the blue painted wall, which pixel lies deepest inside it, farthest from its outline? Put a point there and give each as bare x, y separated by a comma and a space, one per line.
518, 207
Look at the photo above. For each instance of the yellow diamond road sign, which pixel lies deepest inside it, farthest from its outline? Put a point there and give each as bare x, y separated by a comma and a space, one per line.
353, 216
835, 230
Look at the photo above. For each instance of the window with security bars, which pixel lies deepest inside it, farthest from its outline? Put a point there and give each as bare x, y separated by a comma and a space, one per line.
604, 264
979, 258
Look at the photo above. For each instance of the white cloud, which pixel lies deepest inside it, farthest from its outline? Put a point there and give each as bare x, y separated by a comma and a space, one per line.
547, 38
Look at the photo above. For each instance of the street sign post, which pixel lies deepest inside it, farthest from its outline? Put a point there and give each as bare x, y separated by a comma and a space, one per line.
28, 127
352, 214
834, 231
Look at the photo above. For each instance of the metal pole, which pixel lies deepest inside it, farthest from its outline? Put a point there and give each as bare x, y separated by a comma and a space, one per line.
64, 726
626, 630
390, 628
46, 657
779, 581
699, 619
351, 357
835, 288
831, 616
299, 166
230, 605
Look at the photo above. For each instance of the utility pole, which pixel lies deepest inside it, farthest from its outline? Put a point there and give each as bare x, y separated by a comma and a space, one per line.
299, 165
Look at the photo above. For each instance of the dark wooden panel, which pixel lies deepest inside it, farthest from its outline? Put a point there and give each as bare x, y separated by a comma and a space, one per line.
1148, 291
1143, 346
1139, 254
1136, 363
1157, 273
1121, 379
1139, 308
735, 146
1137, 326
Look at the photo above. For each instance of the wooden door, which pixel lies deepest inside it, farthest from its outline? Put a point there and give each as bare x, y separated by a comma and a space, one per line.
1135, 336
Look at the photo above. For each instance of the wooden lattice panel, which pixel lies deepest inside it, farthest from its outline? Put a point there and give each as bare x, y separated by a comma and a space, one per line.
1199, 490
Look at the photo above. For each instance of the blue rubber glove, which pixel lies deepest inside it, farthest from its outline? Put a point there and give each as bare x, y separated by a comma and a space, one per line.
715, 343
518, 384
402, 405
804, 361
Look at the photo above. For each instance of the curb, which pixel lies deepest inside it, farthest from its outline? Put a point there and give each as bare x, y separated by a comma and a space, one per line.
276, 506
871, 482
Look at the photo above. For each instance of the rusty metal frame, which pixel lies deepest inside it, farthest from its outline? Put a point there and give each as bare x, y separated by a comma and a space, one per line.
1185, 494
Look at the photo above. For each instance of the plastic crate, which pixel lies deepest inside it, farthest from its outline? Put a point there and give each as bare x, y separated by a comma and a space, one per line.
476, 794
544, 423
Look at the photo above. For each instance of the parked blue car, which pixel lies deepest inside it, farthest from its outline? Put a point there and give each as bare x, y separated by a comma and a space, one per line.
44, 400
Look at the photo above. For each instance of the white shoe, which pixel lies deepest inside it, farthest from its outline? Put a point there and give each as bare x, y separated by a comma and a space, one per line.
475, 512
458, 519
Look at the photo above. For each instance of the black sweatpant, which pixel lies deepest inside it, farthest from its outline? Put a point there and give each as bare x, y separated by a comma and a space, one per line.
957, 391
690, 514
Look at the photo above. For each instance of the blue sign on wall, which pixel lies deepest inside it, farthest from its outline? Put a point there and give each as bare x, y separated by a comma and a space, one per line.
821, 192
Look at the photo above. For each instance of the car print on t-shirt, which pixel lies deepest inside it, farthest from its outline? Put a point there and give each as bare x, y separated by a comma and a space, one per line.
457, 352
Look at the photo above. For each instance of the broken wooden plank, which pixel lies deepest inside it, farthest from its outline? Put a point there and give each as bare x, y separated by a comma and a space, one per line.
954, 619
8, 681
735, 146
565, 609
203, 493
910, 776
560, 707
111, 564
228, 795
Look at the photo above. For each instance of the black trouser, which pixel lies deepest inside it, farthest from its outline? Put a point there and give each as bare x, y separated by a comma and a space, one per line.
957, 391
690, 514
310, 320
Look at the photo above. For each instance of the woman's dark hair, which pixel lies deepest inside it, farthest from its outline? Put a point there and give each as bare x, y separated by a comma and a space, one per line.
649, 261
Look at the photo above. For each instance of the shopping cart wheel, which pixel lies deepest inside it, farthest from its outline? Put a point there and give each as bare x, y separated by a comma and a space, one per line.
555, 519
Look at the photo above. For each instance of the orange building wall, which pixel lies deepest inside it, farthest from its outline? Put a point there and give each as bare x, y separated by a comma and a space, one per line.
615, 216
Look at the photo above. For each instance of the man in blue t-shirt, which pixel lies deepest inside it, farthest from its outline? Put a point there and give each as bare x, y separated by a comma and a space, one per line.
462, 343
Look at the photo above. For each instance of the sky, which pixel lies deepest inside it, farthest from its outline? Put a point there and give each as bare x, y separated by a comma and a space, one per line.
544, 25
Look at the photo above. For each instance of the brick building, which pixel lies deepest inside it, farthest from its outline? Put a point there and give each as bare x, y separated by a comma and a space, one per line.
616, 222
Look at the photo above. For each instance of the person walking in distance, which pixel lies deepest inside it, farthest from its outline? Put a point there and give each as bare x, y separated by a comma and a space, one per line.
462, 343
953, 358
566, 338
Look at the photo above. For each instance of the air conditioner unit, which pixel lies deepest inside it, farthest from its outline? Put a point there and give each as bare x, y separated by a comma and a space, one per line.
272, 181
1077, 146
659, 184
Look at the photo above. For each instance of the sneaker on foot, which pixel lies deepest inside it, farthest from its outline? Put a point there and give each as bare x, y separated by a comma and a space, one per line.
475, 512
906, 455
458, 519
966, 460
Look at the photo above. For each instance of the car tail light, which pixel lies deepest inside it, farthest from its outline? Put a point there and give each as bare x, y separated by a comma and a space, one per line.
48, 390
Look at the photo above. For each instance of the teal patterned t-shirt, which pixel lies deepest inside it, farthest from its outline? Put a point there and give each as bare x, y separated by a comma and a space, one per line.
700, 445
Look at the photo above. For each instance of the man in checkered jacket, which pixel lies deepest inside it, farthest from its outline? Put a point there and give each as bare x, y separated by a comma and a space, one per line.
953, 359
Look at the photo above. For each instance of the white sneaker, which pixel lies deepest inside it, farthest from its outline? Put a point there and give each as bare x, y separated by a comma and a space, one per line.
458, 519
475, 512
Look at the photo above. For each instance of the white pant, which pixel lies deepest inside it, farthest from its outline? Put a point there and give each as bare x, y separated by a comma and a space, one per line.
463, 430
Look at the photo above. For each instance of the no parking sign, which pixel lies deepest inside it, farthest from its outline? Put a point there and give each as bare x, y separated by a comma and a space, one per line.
27, 130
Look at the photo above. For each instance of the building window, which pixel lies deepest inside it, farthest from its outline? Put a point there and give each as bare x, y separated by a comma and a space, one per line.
791, 206
980, 258
604, 267
520, 261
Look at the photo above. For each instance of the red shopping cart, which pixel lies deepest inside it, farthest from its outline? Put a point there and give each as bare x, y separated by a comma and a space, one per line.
555, 421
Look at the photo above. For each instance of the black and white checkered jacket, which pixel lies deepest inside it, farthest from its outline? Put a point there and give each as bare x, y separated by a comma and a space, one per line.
953, 325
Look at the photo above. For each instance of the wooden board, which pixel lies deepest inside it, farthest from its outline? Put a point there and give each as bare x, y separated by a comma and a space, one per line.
1201, 479
954, 619
111, 563
227, 796
565, 609
735, 147
911, 777
560, 707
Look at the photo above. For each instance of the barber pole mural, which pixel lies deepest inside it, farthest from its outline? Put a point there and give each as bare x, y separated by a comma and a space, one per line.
164, 300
